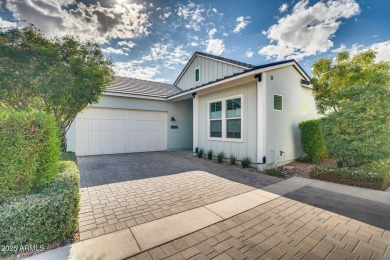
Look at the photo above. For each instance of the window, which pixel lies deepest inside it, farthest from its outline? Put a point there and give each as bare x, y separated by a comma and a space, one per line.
197, 75
216, 119
225, 119
233, 118
303, 107
278, 102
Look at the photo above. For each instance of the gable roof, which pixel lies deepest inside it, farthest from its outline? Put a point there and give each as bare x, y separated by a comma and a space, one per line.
131, 86
210, 56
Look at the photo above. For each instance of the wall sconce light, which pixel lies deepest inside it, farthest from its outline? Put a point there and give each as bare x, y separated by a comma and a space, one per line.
173, 119
193, 95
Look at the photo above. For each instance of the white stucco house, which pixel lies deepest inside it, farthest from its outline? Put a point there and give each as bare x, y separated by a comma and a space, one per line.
215, 103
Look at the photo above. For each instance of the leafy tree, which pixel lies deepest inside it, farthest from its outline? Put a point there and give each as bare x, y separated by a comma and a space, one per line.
353, 93
60, 76
331, 77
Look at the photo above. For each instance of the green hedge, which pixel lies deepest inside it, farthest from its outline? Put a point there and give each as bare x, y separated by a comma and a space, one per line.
312, 141
29, 151
361, 177
45, 217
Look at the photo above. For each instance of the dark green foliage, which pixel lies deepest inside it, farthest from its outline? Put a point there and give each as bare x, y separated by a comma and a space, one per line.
359, 131
232, 159
60, 76
303, 159
69, 156
45, 217
220, 157
312, 141
354, 176
274, 172
29, 151
200, 153
210, 154
340, 164
245, 162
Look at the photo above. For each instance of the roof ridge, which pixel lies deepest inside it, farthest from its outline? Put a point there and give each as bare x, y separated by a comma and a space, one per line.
225, 59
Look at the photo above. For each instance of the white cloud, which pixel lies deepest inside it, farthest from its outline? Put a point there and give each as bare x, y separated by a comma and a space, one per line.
169, 55
340, 49
88, 22
165, 16
382, 50
194, 44
249, 54
128, 44
242, 22
308, 29
212, 32
192, 14
6, 24
215, 46
133, 70
111, 50
283, 8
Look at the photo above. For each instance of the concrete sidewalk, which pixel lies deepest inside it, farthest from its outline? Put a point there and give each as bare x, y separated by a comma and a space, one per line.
289, 218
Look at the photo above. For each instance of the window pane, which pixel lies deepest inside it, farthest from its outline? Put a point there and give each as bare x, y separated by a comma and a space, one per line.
216, 110
278, 102
216, 128
197, 75
233, 108
233, 128
303, 107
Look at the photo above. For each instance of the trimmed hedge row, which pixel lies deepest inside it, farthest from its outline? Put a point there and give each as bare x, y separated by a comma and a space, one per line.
45, 217
29, 151
312, 141
360, 177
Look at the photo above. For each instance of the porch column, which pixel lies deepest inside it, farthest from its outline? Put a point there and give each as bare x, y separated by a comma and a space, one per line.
195, 118
261, 120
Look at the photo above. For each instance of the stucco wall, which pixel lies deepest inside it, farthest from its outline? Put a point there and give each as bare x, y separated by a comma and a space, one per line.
283, 133
180, 138
240, 149
210, 70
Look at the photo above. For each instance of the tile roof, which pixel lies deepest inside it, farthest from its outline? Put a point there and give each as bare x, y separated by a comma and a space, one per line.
131, 86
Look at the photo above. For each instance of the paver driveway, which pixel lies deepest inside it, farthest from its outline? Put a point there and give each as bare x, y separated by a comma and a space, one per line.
310, 220
121, 191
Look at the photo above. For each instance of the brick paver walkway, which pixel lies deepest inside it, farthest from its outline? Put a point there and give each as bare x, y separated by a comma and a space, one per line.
280, 229
121, 191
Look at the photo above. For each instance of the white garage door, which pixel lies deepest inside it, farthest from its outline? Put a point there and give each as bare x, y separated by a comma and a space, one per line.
111, 131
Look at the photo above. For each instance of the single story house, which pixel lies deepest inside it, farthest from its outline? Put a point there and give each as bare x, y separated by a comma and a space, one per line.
215, 103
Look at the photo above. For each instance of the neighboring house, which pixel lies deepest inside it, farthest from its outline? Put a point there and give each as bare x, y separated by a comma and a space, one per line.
215, 103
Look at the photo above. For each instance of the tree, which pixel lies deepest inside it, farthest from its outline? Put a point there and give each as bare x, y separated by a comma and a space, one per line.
60, 76
331, 77
353, 93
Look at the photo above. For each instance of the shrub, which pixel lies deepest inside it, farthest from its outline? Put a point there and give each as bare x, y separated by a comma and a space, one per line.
44, 217
312, 141
340, 164
29, 151
220, 157
354, 176
69, 156
232, 160
274, 172
200, 153
210, 154
245, 162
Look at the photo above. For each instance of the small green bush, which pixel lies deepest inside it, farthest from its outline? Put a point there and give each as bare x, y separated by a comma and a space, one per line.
312, 141
45, 217
220, 157
200, 153
274, 172
69, 156
245, 162
232, 159
210, 154
29, 151
340, 164
354, 176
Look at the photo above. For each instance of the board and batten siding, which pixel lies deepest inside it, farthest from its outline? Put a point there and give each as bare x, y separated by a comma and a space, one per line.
283, 133
240, 149
210, 70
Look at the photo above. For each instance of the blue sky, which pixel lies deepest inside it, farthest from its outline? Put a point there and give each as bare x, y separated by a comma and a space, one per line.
154, 39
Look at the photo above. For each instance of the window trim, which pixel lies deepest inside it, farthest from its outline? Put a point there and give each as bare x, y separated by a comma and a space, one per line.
197, 68
273, 103
224, 119
300, 111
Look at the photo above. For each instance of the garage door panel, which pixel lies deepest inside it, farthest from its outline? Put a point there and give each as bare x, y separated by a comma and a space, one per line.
110, 131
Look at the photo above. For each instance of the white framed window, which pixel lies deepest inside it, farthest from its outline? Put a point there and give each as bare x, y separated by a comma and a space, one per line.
278, 102
197, 74
303, 107
225, 120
